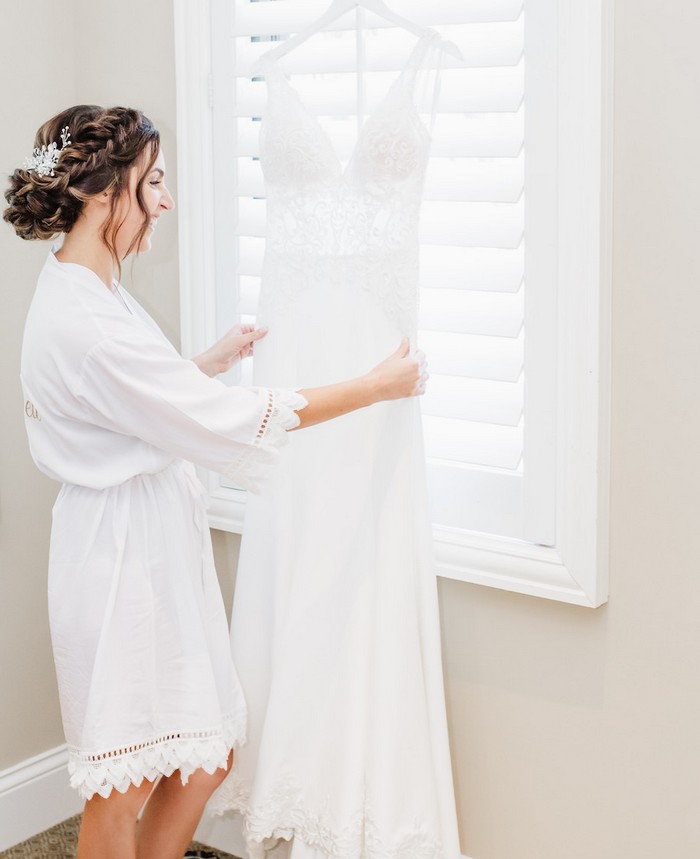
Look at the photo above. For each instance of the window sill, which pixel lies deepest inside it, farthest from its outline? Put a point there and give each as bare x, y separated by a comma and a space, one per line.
481, 559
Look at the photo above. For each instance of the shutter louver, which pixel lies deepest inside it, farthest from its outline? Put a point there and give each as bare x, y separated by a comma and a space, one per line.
472, 221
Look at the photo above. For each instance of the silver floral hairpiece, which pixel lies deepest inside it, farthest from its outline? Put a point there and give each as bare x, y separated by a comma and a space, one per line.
45, 159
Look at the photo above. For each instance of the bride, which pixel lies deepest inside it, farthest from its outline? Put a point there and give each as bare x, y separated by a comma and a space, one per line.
150, 700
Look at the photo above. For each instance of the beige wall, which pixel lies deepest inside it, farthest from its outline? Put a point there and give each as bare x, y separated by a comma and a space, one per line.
125, 55
29, 720
574, 731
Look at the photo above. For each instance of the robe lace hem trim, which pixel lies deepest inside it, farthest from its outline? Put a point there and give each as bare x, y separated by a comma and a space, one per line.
279, 417
186, 751
282, 815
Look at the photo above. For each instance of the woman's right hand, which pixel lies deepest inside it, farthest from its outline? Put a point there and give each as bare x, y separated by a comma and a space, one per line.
402, 374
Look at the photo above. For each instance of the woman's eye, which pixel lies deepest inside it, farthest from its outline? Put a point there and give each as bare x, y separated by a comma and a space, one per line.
156, 181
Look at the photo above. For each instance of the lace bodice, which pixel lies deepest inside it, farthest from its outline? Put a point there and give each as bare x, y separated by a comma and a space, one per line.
358, 223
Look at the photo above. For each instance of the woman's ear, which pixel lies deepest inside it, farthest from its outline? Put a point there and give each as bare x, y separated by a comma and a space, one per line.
104, 198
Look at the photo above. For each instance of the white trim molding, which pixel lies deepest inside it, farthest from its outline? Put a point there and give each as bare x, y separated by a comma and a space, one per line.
195, 175
573, 565
35, 795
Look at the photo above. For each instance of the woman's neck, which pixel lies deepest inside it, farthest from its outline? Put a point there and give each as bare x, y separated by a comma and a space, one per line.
85, 247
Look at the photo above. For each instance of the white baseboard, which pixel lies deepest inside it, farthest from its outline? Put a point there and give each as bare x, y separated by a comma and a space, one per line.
35, 794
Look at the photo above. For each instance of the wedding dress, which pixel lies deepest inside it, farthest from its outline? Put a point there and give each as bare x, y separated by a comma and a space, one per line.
335, 629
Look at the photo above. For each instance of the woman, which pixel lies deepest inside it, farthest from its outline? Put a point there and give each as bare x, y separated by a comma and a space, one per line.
147, 687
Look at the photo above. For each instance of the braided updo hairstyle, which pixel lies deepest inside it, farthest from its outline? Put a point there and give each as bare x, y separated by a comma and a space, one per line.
105, 143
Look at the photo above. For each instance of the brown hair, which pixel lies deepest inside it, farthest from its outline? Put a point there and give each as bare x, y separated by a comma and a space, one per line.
105, 143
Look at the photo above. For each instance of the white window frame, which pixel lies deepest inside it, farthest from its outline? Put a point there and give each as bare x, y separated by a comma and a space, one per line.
575, 568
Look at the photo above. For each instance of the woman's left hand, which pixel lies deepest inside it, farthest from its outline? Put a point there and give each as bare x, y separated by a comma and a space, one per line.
233, 346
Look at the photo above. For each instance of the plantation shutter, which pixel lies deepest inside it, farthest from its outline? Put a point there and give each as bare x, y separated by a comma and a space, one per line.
473, 236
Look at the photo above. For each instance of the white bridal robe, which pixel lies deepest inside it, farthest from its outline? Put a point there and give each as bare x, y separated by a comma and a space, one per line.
146, 680
335, 627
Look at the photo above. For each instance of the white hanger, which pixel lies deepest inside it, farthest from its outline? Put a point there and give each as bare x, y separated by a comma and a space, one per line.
340, 7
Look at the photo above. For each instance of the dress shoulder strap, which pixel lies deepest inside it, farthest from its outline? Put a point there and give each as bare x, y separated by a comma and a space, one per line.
427, 56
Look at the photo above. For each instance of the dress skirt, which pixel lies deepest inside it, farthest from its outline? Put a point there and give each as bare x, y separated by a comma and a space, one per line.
146, 680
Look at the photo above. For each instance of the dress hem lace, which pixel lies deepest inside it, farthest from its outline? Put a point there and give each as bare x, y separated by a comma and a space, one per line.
282, 815
186, 751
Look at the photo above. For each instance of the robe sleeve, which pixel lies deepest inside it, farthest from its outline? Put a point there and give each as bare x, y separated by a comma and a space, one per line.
142, 387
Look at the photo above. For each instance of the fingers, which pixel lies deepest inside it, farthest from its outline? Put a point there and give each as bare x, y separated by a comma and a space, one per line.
248, 339
404, 347
420, 388
244, 341
423, 373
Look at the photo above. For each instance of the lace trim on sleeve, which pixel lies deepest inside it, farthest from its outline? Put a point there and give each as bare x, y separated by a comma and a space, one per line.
279, 417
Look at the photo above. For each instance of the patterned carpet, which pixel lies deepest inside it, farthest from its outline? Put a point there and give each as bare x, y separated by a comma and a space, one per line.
61, 840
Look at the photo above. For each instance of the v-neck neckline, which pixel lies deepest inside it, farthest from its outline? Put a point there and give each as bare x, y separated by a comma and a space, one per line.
90, 276
429, 34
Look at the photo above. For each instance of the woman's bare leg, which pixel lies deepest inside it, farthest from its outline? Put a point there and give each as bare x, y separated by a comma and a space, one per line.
173, 812
108, 827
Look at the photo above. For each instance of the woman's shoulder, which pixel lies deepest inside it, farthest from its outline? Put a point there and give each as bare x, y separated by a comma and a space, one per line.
71, 313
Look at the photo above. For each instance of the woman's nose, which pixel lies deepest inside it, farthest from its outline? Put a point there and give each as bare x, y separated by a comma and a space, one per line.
167, 201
